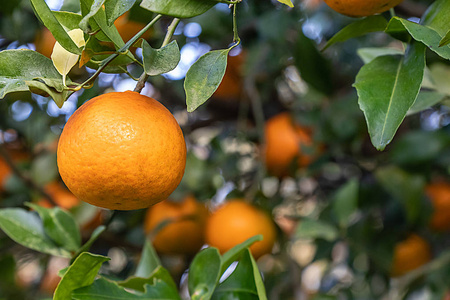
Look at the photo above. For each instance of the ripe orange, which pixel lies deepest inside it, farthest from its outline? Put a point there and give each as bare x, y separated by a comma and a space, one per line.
236, 221
358, 8
122, 150
439, 194
410, 254
284, 141
231, 85
183, 226
63, 197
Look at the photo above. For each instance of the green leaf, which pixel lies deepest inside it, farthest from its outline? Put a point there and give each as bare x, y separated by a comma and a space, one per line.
369, 54
387, 87
19, 66
149, 260
437, 16
81, 273
67, 19
345, 202
51, 22
204, 274
287, 2
405, 187
105, 289
178, 8
95, 7
116, 8
27, 229
258, 281
43, 89
315, 229
234, 253
139, 283
445, 40
402, 29
358, 28
60, 226
241, 283
425, 100
439, 73
204, 77
94, 236
160, 61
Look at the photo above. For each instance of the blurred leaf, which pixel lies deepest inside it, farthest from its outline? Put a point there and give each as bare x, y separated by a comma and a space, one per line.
51, 22
440, 73
7, 275
178, 8
437, 16
315, 229
425, 100
287, 2
324, 297
204, 77
149, 260
105, 289
241, 283
369, 54
116, 8
27, 229
204, 274
81, 273
60, 226
94, 236
345, 202
358, 28
139, 283
387, 87
402, 29
19, 66
160, 61
314, 68
233, 254
406, 188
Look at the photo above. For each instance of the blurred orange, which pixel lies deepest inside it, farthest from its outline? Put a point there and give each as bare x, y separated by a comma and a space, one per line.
128, 28
410, 254
231, 86
182, 225
236, 221
439, 194
61, 195
17, 156
44, 42
284, 141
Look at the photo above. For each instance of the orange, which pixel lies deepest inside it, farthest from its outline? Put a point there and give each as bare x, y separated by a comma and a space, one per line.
284, 141
236, 221
122, 150
44, 42
410, 254
361, 8
62, 197
439, 193
182, 226
128, 28
231, 85
17, 156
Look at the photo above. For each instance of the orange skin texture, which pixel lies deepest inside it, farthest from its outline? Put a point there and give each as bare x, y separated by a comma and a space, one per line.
236, 221
439, 194
183, 231
63, 197
283, 144
361, 8
123, 151
410, 254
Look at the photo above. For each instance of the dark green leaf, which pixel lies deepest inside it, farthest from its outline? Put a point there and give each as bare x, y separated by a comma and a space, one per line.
139, 283
51, 22
27, 229
19, 66
116, 8
160, 61
387, 87
346, 202
234, 253
425, 100
369, 54
94, 236
445, 40
315, 229
105, 289
60, 226
203, 78
358, 28
149, 261
81, 273
437, 16
204, 274
178, 8
398, 28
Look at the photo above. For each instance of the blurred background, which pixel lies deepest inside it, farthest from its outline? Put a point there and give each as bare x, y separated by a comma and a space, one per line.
283, 131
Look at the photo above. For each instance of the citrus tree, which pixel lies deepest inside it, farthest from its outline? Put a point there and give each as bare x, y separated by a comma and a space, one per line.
224, 149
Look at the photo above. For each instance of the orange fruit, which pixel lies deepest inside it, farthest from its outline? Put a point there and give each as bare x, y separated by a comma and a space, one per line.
410, 254
128, 28
63, 197
44, 42
122, 150
17, 156
231, 85
439, 194
359, 8
284, 141
182, 226
236, 221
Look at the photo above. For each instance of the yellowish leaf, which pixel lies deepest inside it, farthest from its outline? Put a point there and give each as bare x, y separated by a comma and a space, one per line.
287, 2
62, 59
